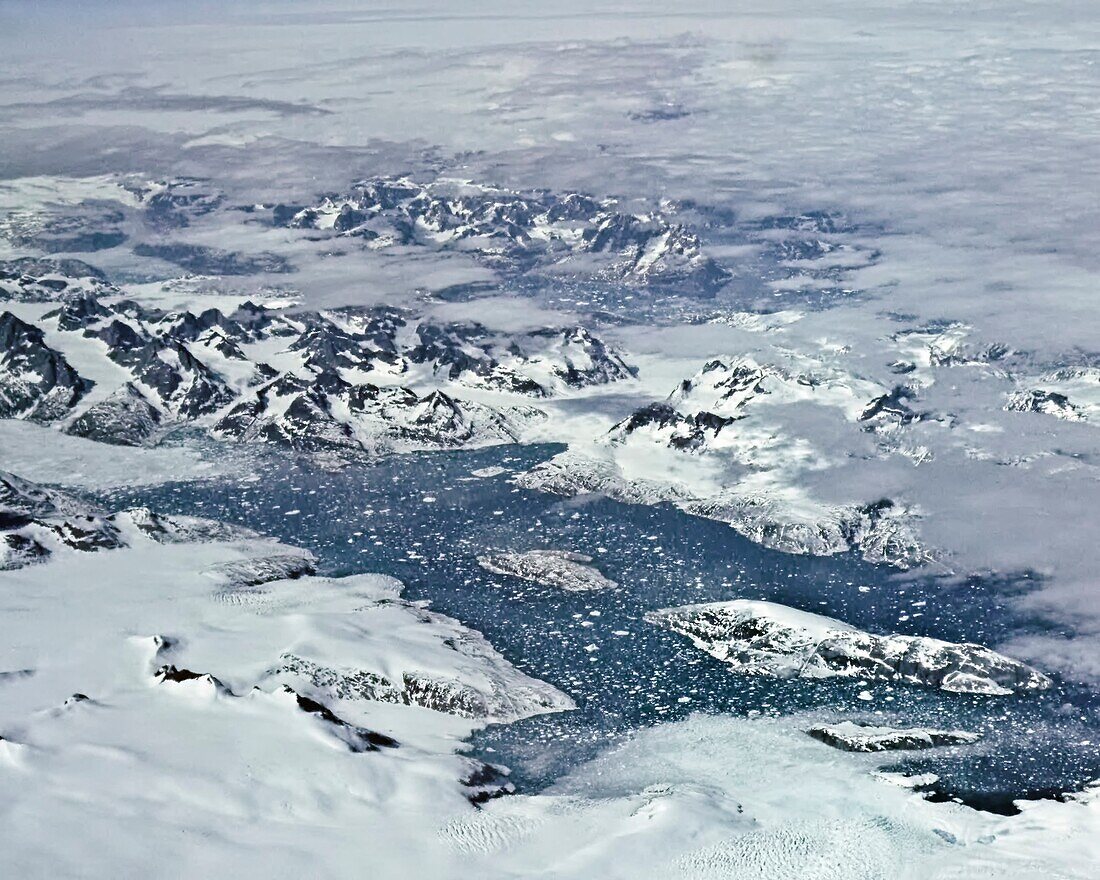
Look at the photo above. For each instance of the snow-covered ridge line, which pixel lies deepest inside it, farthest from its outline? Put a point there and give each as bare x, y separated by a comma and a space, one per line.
36, 522
533, 232
717, 447
763, 638
1069, 393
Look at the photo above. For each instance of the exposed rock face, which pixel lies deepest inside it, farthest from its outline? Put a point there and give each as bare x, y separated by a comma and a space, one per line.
185, 385
653, 252
125, 418
518, 232
358, 739
881, 531
177, 529
78, 310
486, 782
727, 391
290, 412
892, 408
325, 346
555, 568
576, 474
35, 521
762, 638
538, 363
36, 382
948, 345
419, 689
689, 432
1071, 393
330, 414
586, 360
508, 698
182, 384
497, 692
173, 203
172, 674
24, 497
851, 737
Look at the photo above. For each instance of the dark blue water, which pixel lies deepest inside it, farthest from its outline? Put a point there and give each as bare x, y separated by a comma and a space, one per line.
424, 519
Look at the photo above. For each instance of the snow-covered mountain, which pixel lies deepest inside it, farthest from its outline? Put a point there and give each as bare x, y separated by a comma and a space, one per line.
532, 232
40, 279
717, 447
36, 381
1069, 393
354, 378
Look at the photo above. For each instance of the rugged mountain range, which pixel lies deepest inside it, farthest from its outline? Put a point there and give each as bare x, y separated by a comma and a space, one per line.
534, 231
370, 378
41, 279
1068, 393
516, 233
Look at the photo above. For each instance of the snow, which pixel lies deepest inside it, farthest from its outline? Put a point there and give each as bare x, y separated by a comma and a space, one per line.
937, 161
46, 455
155, 765
872, 738
188, 757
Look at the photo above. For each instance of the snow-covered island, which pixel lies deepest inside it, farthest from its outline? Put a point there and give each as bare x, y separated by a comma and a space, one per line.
562, 569
763, 638
852, 737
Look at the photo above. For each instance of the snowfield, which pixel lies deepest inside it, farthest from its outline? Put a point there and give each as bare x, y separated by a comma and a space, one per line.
147, 704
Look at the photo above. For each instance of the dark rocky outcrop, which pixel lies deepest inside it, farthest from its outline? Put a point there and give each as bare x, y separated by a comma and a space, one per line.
125, 418
36, 381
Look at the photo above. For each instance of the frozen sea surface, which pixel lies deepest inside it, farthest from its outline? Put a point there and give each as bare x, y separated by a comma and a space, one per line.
425, 519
